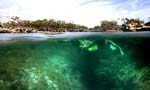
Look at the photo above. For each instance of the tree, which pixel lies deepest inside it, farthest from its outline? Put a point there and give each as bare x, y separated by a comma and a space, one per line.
97, 28
1, 24
109, 25
43, 24
82, 28
15, 18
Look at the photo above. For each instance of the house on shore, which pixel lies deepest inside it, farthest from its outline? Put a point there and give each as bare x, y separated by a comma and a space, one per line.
134, 26
146, 27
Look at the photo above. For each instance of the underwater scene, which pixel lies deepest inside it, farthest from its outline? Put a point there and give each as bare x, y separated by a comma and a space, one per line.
75, 61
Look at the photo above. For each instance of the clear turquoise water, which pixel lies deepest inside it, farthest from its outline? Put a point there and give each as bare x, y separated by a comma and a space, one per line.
75, 61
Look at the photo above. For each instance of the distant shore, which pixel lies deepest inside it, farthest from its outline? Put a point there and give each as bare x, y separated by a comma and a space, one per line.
16, 25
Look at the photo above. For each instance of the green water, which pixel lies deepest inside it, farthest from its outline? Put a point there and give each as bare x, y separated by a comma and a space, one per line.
85, 63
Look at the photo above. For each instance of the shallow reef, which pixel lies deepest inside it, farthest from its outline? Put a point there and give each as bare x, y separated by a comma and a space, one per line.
75, 64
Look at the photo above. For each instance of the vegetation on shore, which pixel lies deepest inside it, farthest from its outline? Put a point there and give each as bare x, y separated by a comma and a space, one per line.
16, 25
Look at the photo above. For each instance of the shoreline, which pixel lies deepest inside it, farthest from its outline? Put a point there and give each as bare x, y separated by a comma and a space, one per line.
34, 30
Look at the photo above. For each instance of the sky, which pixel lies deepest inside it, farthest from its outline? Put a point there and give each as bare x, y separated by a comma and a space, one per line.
84, 12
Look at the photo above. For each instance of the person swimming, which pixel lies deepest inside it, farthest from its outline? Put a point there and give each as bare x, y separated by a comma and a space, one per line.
92, 46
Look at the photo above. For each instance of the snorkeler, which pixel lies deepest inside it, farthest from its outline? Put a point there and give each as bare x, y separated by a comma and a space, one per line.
92, 46
113, 46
